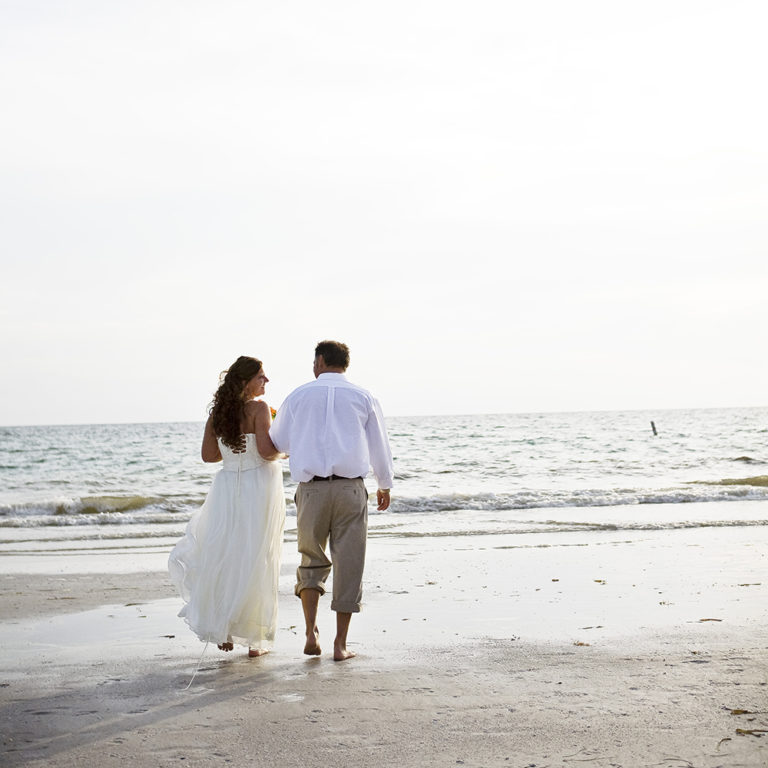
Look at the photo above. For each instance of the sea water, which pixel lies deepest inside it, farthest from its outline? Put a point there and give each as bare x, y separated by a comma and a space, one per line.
118, 486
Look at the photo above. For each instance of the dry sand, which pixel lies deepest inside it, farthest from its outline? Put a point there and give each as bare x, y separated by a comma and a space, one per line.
596, 650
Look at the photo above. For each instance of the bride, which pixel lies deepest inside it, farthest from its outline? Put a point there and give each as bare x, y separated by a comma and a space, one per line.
227, 565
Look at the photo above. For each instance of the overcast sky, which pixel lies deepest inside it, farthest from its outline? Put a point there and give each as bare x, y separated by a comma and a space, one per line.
500, 206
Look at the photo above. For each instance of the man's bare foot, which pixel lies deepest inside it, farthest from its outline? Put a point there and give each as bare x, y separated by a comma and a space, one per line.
312, 647
228, 646
342, 654
254, 652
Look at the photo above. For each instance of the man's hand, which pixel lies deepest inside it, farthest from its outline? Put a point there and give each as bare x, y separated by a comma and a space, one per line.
382, 496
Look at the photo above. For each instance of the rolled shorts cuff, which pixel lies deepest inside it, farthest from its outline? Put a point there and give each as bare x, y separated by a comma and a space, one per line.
340, 607
302, 585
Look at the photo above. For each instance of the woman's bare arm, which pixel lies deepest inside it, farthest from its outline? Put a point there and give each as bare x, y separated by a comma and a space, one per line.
210, 449
257, 411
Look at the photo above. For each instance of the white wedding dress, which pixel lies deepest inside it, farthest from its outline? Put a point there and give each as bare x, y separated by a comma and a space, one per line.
227, 565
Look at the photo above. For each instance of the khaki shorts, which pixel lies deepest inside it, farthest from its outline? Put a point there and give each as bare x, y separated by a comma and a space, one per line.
335, 510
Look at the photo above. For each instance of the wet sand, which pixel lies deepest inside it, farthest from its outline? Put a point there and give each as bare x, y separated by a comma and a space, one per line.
600, 649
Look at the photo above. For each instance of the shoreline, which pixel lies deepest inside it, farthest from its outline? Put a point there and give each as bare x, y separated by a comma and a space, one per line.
611, 649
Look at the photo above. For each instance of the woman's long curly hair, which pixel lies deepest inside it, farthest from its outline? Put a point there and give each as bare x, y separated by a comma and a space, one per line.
228, 406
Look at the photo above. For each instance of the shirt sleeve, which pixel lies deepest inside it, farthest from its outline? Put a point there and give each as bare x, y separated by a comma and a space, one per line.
378, 447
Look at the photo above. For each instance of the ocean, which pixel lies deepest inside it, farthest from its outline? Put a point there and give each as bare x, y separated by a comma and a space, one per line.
132, 487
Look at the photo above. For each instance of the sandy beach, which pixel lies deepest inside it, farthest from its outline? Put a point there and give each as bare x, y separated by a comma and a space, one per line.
643, 648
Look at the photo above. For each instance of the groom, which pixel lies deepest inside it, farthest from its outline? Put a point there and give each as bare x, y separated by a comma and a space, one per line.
333, 432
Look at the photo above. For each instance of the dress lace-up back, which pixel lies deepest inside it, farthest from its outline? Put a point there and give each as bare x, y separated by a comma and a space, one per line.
248, 458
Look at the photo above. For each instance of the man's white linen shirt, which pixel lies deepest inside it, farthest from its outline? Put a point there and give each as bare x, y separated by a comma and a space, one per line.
330, 426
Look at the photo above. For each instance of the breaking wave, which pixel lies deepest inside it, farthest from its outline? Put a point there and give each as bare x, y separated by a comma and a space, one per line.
135, 509
761, 481
717, 491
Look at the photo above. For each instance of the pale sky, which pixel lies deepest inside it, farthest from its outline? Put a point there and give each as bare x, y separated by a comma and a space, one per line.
500, 206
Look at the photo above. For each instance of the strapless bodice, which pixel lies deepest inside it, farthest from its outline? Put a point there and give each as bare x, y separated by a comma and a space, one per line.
248, 459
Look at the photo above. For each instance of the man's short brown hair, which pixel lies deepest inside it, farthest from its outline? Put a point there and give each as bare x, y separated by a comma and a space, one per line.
335, 354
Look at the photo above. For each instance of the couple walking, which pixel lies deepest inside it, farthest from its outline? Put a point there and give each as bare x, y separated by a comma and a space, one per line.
227, 565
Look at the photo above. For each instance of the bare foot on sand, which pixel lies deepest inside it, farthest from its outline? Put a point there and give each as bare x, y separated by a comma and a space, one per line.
312, 647
342, 654
254, 652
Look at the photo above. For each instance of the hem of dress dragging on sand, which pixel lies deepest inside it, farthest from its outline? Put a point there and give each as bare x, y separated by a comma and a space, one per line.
264, 640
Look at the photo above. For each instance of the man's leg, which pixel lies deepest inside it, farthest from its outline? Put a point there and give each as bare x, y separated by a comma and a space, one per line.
312, 524
309, 600
340, 652
347, 541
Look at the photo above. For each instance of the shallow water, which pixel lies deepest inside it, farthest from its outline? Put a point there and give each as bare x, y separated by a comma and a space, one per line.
135, 485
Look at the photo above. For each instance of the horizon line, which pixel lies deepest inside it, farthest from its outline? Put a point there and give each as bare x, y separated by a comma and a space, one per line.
409, 416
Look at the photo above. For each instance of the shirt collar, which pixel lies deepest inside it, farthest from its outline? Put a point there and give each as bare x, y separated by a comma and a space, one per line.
332, 375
